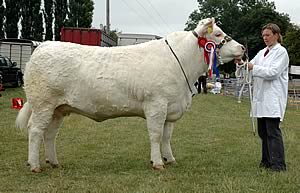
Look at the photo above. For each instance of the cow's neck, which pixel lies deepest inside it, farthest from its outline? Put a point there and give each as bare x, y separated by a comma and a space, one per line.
185, 46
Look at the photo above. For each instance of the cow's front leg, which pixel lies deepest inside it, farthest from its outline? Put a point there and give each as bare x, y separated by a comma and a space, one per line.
156, 115
166, 143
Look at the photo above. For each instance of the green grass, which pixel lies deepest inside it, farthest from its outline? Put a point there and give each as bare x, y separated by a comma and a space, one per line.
213, 145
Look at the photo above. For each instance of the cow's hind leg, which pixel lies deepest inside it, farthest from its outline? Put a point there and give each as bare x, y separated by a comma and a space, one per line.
156, 116
38, 123
49, 138
166, 143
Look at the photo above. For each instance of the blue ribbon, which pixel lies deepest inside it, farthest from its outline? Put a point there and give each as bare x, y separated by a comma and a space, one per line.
215, 68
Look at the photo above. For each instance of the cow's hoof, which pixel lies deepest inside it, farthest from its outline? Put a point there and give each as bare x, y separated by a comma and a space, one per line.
172, 162
36, 170
53, 165
169, 162
158, 167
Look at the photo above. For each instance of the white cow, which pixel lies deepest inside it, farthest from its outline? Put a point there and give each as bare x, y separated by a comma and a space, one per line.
142, 80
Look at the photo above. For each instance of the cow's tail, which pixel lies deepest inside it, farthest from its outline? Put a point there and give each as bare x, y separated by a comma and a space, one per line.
23, 117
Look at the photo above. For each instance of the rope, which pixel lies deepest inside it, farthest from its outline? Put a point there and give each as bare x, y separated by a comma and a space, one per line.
186, 79
242, 72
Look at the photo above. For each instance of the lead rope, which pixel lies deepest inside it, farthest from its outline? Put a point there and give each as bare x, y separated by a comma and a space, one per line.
186, 79
243, 73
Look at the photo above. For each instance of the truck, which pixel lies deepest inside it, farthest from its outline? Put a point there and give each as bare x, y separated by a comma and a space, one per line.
86, 36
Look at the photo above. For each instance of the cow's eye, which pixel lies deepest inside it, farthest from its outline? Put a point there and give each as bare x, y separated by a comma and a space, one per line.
218, 34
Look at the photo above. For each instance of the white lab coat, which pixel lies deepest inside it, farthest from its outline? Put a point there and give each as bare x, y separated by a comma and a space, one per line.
270, 87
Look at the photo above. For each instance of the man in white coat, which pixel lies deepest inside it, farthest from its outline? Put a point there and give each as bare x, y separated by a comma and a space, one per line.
270, 71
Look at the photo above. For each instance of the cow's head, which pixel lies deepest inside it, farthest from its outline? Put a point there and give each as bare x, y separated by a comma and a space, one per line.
227, 48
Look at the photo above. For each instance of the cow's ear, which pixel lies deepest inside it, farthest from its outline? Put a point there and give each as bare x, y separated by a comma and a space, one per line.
205, 26
210, 25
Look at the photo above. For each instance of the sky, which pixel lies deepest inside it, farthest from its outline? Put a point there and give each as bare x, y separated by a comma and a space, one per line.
160, 17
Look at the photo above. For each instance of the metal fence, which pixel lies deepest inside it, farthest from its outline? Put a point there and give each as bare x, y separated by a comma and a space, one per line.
294, 93
232, 87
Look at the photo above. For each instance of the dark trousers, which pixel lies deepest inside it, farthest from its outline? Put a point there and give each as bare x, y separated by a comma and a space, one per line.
202, 81
272, 143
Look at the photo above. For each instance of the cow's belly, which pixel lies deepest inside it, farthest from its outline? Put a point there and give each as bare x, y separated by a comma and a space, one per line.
107, 101
102, 112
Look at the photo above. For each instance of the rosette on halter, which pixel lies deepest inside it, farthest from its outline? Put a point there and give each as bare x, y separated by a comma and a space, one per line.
210, 55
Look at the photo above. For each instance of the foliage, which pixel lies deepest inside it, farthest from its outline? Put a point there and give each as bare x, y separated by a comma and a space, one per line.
12, 14
1, 21
32, 21
37, 29
48, 14
292, 41
55, 13
61, 11
81, 13
239, 19
213, 145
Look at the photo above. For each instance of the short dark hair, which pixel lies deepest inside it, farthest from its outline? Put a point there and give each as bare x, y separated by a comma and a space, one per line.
275, 30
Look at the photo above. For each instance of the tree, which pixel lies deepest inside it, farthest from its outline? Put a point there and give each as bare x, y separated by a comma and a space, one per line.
2, 9
81, 13
32, 21
292, 42
250, 26
48, 14
12, 18
61, 10
38, 29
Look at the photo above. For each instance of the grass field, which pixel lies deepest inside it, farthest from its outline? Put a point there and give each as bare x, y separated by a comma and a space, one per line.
215, 150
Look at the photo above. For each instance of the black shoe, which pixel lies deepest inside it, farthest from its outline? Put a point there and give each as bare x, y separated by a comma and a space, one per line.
276, 168
264, 165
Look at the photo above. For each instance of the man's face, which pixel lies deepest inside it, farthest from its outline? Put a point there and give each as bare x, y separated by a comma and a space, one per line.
269, 38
